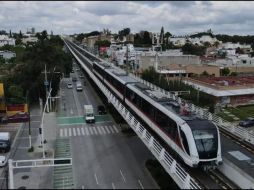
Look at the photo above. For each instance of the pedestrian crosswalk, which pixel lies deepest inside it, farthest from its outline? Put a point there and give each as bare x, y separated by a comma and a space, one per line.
87, 130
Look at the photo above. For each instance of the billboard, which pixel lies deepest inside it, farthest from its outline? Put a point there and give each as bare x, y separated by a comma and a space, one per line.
17, 113
1, 89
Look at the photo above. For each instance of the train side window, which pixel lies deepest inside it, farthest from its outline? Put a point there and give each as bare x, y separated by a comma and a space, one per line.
161, 119
185, 142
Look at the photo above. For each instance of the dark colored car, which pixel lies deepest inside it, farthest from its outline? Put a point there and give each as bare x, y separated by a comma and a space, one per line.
249, 122
101, 110
18, 117
74, 79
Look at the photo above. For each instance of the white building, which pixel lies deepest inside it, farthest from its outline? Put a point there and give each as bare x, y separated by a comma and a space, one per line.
5, 40
203, 39
178, 41
7, 54
29, 39
230, 45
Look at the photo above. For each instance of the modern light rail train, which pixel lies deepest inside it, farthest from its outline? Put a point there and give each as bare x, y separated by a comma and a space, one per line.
195, 140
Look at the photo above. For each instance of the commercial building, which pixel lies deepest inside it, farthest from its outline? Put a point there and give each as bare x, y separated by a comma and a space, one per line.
232, 91
30, 39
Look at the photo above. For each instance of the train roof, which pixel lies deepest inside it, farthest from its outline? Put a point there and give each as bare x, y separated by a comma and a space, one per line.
168, 103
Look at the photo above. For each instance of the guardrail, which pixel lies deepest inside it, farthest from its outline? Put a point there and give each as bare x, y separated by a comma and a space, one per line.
242, 133
179, 175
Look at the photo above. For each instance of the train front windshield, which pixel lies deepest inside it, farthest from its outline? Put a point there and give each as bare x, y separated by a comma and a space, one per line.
206, 142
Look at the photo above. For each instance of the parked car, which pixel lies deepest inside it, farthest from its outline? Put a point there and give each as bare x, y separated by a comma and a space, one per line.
18, 117
101, 110
3, 161
69, 85
249, 122
74, 79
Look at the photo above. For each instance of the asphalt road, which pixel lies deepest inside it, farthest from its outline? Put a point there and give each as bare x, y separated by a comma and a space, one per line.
103, 157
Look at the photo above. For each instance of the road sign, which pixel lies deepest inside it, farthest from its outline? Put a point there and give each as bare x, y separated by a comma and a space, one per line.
46, 83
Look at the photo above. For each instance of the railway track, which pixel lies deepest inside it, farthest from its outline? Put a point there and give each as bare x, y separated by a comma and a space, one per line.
211, 179
237, 140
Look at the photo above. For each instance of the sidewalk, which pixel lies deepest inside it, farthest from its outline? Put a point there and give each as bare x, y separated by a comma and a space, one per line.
39, 178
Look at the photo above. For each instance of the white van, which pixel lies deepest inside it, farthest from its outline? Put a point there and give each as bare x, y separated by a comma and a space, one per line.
79, 86
89, 115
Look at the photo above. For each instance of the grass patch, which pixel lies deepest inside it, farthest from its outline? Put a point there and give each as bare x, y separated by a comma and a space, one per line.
225, 116
161, 177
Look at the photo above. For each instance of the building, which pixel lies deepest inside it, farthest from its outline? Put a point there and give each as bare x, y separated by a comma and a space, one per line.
5, 40
29, 40
7, 54
165, 60
232, 91
177, 41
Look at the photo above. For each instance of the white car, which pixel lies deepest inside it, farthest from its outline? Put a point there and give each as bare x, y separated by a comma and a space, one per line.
3, 161
69, 85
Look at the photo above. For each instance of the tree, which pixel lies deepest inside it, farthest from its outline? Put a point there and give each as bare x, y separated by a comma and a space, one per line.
233, 74
15, 91
205, 73
162, 35
188, 48
147, 39
10, 35
20, 34
207, 44
225, 71
18, 41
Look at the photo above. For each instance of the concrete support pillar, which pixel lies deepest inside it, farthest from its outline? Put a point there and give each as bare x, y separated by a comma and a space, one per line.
173, 167
144, 134
150, 145
187, 182
162, 154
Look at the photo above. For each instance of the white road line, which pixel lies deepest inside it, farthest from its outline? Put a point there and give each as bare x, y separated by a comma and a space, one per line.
96, 179
103, 130
70, 132
111, 129
142, 187
113, 186
65, 132
95, 131
61, 132
82, 131
122, 176
35, 115
78, 131
87, 132
107, 129
115, 128
99, 130
90, 130
74, 131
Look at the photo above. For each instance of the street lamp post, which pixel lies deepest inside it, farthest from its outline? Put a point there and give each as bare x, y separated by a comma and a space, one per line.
41, 129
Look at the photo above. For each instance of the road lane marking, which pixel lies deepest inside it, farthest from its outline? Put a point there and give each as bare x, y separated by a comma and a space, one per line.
65, 132
90, 130
107, 129
87, 131
113, 186
103, 130
70, 132
111, 129
74, 131
82, 131
115, 128
142, 187
96, 179
122, 176
78, 130
95, 131
99, 130
61, 132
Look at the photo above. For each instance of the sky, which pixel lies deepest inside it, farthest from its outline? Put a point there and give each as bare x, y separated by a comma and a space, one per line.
177, 17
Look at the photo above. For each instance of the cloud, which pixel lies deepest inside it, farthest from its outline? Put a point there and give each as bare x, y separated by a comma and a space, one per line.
178, 17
